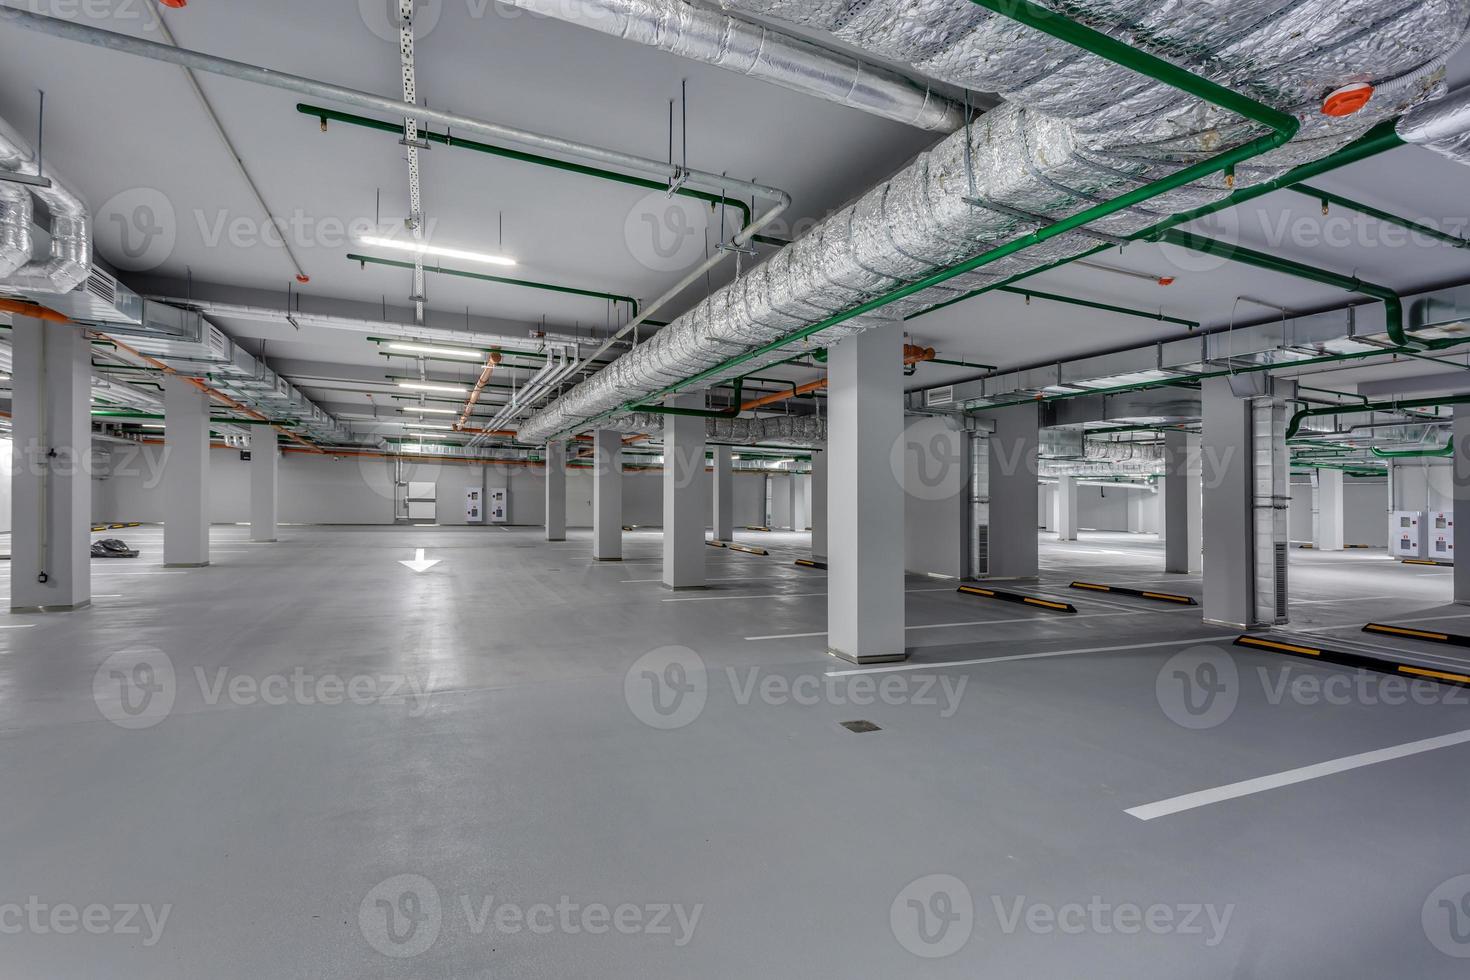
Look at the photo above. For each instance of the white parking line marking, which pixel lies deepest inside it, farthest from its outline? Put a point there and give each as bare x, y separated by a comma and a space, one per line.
1026, 656
772, 595
1262, 784
1038, 618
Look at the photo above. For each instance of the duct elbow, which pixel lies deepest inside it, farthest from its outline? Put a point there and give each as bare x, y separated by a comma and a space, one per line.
15, 229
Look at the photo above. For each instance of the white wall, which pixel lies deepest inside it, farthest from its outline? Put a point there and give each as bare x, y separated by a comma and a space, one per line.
333, 490
934, 499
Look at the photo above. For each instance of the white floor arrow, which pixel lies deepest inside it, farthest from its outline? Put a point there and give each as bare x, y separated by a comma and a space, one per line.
419, 563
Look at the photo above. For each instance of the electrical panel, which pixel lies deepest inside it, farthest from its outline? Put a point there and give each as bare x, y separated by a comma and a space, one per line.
1441, 536
498, 501
474, 505
1406, 537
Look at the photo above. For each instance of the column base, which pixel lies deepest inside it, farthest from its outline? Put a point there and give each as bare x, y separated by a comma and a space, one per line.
186, 564
51, 609
684, 588
879, 658
596, 558
263, 540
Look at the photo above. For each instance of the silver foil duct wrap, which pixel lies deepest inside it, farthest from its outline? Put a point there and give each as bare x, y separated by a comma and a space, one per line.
784, 430
1075, 132
1442, 126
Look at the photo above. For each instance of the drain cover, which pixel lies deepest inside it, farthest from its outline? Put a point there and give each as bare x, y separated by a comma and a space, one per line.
860, 727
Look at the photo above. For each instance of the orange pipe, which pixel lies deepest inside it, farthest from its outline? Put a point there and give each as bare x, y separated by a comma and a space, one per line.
35, 310
485, 372
911, 355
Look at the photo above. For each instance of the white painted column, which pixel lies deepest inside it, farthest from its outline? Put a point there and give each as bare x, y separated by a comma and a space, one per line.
1066, 508
723, 519
1243, 472
265, 455
819, 505
51, 462
1179, 503
1014, 509
801, 507
1461, 495
865, 498
185, 474
607, 495
556, 491
685, 500
1330, 527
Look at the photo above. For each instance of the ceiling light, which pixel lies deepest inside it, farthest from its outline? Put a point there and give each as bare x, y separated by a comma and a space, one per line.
426, 425
426, 386
428, 409
424, 248
150, 425
473, 355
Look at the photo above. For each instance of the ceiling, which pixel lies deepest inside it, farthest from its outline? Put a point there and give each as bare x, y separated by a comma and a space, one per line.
124, 130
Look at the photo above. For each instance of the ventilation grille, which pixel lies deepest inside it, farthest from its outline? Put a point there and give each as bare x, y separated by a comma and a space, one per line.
980, 551
939, 396
1280, 562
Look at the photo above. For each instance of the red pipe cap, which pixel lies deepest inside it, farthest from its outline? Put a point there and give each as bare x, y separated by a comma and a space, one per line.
176, 4
303, 278
1348, 99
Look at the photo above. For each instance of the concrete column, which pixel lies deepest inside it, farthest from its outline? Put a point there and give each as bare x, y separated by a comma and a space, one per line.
265, 456
185, 474
1014, 511
1244, 474
51, 462
556, 491
607, 495
723, 495
685, 499
1461, 494
1330, 527
1179, 502
865, 498
1066, 508
801, 507
819, 505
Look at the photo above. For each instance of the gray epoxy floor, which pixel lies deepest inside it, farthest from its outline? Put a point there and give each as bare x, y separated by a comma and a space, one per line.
530, 764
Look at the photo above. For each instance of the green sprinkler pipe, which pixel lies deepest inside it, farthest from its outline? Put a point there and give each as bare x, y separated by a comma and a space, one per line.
1393, 304
1388, 406
1106, 307
1448, 449
1283, 125
124, 416
485, 277
1327, 197
351, 119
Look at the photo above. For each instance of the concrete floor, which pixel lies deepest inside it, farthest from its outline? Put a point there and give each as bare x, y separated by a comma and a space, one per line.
558, 755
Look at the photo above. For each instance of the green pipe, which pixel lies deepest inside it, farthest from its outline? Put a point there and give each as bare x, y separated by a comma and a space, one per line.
1090, 304
1283, 125
700, 413
1327, 197
335, 115
1388, 406
1393, 304
1448, 449
486, 277
123, 416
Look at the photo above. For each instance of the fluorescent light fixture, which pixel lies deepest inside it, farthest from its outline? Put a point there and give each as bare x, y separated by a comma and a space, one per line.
150, 425
426, 425
427, 386
429, 435
428, 409
473, 355
424, 248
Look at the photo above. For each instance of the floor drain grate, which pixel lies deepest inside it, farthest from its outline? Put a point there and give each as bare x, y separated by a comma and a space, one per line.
859, 727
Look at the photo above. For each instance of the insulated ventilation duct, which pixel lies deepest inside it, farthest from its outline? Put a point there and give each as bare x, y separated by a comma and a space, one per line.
1076, 130
1442, 126
70, 258
785, 430
758, 52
